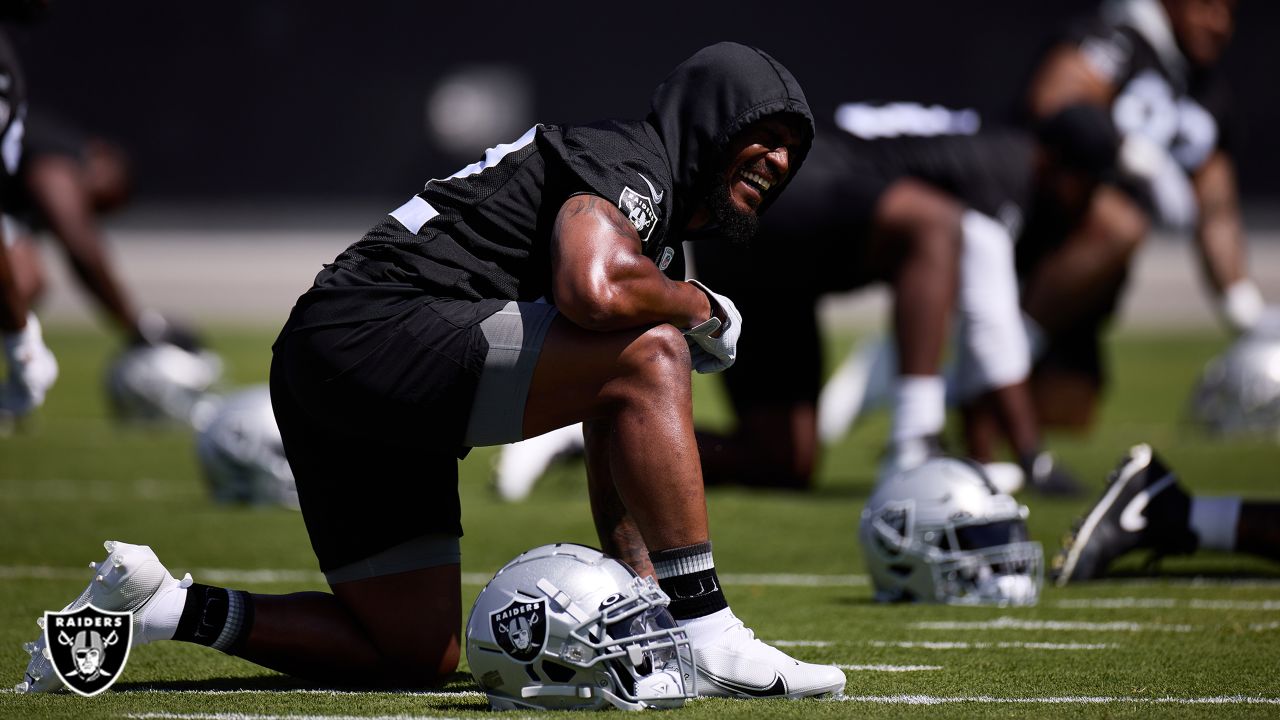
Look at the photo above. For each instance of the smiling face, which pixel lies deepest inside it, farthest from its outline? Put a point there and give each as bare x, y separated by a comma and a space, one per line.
760, 159
758, 163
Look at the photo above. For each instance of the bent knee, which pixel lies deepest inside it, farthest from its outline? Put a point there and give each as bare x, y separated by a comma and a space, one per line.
662, 350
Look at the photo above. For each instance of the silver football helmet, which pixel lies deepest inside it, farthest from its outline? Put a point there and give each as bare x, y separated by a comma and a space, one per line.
241, 453
1238, 394
567, 627
940, 532
159, 383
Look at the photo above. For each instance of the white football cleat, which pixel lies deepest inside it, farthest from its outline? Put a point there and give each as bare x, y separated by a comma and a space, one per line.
131, 578
731, 662
519, 465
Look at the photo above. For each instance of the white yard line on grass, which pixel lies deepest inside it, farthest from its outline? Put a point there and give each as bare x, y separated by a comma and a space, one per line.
1124, 603
1063, 700
917, 645
1008, 623
889, 668
801, 643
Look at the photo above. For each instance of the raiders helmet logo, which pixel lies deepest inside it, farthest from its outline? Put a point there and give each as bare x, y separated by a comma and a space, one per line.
640, 211
88, 647
521, 628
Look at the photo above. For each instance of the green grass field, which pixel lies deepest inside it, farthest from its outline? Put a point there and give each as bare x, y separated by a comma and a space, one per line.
1201, 638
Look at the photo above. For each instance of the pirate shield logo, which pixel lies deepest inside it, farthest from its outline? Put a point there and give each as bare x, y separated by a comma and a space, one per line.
521, 628
639, 210
88, 647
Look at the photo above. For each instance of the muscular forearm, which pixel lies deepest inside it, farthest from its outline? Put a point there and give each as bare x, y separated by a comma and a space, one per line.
55, 185
602, 282
635, 297
1221, 245
1220, 234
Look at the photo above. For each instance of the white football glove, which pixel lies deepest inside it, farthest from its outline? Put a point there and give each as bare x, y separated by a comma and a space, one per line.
1241, 306
32, 369
714, 354
1147, 161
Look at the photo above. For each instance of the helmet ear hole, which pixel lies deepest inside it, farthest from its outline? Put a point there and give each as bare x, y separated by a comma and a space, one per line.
556, 672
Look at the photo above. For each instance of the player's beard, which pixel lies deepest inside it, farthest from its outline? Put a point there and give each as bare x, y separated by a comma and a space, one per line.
739, 227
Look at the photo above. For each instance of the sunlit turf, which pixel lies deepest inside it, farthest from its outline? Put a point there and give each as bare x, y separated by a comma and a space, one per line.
71, 478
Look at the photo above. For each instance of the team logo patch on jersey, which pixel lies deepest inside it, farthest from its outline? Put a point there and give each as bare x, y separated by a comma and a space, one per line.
88, 647
665, 261
521, 628
639, 210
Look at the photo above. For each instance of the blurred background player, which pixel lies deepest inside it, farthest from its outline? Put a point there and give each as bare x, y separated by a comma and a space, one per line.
908, 196
30, 366
67, 181
1145, 508
1152, 64
915, 206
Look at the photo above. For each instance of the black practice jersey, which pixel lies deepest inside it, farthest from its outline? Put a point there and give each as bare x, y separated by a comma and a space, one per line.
1159, 93
484, 233
480, 232
814, 240
991, 171
13, 110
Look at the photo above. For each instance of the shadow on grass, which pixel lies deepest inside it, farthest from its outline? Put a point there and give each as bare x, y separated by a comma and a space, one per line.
458, 682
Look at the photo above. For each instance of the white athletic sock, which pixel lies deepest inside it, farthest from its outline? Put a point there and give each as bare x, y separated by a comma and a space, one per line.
1214, 521
919, 407
161, 620
704, 629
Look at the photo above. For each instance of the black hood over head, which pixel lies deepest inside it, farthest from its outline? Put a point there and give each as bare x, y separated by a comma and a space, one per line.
707, 100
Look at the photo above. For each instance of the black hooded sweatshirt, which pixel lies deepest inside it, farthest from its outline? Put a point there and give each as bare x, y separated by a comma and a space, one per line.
484, 233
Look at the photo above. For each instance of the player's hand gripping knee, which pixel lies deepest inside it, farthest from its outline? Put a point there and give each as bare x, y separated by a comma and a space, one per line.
714, 343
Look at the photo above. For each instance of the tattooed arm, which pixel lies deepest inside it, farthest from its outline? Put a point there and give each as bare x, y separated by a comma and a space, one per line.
602, 281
